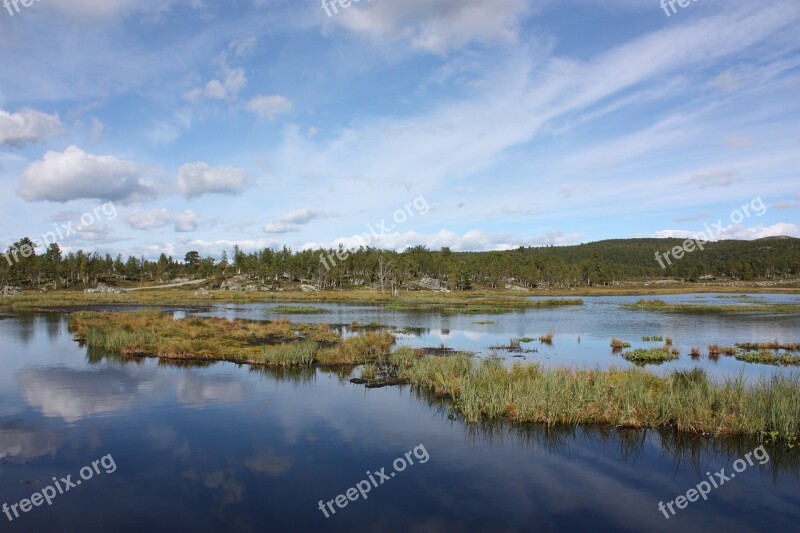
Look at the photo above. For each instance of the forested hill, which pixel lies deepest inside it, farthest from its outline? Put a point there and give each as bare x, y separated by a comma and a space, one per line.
594, 263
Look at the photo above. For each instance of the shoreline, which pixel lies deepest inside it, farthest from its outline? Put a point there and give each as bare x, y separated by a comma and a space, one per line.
493, 300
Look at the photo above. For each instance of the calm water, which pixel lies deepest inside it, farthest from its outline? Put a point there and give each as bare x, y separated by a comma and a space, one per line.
582, 334
225, 448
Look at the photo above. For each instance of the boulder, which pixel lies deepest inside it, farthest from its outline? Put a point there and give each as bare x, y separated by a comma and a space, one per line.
102, 288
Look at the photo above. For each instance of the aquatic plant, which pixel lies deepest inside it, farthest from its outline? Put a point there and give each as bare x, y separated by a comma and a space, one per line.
618, 344
769, 358
649, 356
687, 401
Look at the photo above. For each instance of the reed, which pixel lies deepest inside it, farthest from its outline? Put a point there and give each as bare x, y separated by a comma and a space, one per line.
280, 343
684, 400
618, 344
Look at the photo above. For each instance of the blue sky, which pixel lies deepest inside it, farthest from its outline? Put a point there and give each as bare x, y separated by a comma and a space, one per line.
267, 122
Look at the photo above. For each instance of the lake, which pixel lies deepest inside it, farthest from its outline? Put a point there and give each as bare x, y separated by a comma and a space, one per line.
225, 447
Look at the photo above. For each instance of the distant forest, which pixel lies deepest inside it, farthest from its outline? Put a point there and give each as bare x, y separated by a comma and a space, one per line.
598, 263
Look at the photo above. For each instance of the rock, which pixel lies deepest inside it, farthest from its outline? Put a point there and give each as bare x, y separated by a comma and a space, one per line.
102, 288
516, 288
430, 284
8, 290
308, 288
202, 292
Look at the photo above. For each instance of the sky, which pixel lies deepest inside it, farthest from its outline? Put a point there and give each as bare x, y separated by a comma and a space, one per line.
178, 125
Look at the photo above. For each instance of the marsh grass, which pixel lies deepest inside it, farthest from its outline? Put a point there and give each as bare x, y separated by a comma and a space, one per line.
769, 358
288, 355
662, 306
650, 356
775, 345
684, 400
279, 343
618, 344
546, 339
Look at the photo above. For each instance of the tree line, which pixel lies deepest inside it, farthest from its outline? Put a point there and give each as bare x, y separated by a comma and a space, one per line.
597, 263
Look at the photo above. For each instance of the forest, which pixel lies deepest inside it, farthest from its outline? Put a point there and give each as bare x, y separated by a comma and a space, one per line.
598, 263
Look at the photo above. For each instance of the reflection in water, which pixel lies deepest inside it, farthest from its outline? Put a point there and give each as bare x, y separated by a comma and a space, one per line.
27, 442
197, 391
226, 447
75, 394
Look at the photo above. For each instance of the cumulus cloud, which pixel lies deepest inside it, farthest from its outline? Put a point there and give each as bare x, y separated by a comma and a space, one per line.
180, 222
436, 27
269, 106
75, 174
28, 127
294, 220
197, 179
736, 232
229, 80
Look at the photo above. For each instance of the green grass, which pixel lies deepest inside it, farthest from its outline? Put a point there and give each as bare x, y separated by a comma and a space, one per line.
769, 358
650, 356
652, 339
662, 306
684, 400
288, 355
775, 345
486, 323
279, 343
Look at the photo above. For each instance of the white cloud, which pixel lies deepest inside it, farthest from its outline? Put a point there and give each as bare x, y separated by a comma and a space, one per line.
180, 222
736, 232
269, 106
435, 26
294, 220
75, 174
28, 127
229, 81
474, 240
197, 179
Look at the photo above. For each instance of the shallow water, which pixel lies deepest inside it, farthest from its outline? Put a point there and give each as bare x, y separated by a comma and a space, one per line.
223, 447
582, 334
